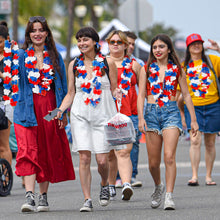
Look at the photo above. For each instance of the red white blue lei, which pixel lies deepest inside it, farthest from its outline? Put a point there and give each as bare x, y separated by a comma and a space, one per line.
40, 84
162, 92
91, 87
199, 85
126, 75
10, 73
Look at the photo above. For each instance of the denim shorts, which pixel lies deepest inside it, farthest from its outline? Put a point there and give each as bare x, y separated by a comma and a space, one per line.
160, 118
208, 117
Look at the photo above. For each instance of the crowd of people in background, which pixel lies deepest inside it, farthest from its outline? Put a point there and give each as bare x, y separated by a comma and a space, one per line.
161, 97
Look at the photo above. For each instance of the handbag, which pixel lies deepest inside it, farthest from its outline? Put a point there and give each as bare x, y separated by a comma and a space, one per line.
3, 120
216, 77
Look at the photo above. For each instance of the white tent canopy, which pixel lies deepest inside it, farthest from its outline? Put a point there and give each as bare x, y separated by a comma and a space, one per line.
115, 24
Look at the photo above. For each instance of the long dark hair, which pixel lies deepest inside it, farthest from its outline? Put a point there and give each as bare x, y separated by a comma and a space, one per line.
53, 53
188, 58
91, 33
171, 56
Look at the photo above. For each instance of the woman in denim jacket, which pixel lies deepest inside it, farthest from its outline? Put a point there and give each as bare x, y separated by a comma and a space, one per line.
43, 148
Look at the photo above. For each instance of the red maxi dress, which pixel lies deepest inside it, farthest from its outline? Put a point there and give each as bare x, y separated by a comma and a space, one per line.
44, 149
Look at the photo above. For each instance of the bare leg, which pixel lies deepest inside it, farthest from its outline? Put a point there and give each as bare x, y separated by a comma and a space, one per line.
44, 187
124, 163
30, 183
103, 167
85, 173
113, 168
195, 153
209, 154
154, 146
170, 137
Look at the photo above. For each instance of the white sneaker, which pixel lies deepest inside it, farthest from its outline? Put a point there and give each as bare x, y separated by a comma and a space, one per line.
87, 206
104, 197
127, 191
118, 183
157, 196
135, 182
169, 203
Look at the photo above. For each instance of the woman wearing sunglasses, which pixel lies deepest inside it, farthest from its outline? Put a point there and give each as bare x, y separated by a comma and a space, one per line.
43, 149
128, 74
92, 85
162, 122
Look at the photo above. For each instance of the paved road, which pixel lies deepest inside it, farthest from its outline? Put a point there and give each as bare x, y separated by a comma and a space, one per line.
66, 198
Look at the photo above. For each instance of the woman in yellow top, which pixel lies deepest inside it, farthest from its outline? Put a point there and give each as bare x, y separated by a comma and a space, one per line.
204, 92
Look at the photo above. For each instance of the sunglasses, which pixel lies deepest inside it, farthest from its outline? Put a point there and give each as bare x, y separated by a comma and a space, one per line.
119, 42
37, 18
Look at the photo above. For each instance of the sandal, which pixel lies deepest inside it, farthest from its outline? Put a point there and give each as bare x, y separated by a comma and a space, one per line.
210, 183
193, 182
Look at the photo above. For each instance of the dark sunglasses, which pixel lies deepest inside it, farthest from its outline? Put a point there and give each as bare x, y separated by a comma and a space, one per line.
37, 18
119, 42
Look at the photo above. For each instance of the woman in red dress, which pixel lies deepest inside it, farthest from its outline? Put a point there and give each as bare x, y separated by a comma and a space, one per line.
43, 149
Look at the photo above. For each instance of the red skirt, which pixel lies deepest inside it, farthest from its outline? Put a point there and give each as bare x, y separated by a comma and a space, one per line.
44, 149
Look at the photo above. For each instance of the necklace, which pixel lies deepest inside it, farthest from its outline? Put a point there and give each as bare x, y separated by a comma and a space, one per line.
126, 75
40, 83
10, 73
91, 87
199, 78
162, 92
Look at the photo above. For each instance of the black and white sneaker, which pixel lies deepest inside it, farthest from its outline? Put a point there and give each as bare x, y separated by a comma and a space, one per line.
43, 205
112, 192
87, 206
104, 197
29, 205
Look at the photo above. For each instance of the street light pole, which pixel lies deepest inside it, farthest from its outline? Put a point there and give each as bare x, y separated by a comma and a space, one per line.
137, 25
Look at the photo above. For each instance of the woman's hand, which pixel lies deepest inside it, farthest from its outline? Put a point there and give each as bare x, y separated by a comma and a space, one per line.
117, 93
194, 128
214, 45
62, 123
142, 125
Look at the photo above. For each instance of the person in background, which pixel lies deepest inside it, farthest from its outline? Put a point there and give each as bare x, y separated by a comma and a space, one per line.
162, 121
128, 75
204, 92
92, 86
5, 151
43, 149
131, 37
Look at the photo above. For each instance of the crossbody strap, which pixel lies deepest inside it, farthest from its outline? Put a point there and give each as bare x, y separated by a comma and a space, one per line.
216, 78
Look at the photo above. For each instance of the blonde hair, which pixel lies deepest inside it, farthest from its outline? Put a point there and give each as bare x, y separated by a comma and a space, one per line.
122, 36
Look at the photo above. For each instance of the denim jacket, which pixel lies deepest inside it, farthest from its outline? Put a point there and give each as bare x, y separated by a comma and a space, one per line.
24, 110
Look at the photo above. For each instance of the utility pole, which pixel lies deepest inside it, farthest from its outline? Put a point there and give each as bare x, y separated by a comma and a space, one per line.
15, 20
71, 4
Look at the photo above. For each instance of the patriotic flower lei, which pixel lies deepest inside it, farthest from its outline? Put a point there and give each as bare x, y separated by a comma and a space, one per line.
126, 75
40, 83
199, 86
10, 73
162, 91
91, 87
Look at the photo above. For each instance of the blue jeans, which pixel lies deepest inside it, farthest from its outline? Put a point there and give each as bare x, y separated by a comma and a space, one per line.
135, 149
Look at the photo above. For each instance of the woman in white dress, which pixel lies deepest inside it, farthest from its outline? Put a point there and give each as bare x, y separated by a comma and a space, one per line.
92, 85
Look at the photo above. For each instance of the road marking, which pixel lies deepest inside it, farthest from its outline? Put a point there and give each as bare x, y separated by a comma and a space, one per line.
178, 165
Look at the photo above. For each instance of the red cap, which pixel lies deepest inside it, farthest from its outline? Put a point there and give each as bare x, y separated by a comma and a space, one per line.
192, 38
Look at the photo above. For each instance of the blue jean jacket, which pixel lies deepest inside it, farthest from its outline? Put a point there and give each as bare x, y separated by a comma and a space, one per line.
24, 110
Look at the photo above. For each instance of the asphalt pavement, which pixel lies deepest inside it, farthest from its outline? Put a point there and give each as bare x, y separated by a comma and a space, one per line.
66, 198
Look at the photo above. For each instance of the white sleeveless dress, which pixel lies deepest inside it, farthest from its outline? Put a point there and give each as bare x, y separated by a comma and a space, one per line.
87, 122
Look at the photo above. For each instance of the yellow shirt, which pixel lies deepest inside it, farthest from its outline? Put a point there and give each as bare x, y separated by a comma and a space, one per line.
212, 93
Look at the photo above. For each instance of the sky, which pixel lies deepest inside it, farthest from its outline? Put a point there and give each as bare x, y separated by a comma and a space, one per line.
189, 16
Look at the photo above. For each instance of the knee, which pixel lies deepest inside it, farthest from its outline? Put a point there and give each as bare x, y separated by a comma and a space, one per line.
154, 164
123, 154
85, 160
210, 146
102, 163
169, 159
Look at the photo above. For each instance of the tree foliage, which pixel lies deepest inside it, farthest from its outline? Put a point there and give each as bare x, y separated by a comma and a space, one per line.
158, 28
